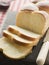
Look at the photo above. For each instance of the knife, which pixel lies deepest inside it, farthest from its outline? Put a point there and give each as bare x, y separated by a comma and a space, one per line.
44, 50
10, 18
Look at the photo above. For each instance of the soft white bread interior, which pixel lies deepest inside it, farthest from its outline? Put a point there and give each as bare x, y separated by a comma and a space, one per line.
43, 5
13, 50
17, 39
36, 21
26, 34
30, 7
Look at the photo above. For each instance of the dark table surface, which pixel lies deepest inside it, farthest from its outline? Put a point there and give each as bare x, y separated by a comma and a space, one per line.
30, 59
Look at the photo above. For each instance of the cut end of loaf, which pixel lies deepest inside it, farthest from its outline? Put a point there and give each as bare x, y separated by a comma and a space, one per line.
34, 21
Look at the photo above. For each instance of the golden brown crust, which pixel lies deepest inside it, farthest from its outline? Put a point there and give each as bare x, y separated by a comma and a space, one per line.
21, 43
27, 37
7, 36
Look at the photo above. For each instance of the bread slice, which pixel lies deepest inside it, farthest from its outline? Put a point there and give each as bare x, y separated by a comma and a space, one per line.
26, 34
36, 21
17, 39
13, 50
43, 5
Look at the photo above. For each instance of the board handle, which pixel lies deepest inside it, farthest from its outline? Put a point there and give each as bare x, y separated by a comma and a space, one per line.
43, 54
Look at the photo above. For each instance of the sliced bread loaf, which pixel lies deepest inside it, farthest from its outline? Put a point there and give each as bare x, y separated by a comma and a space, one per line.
43, 5
26, 34
13, 50
36, 21
18, 39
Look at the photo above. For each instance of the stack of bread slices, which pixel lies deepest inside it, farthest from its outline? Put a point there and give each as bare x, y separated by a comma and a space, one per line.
18, 40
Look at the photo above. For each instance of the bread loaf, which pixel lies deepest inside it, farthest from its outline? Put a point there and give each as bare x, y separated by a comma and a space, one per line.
23, 33
43, 5
31, 24
13, 50
36, 21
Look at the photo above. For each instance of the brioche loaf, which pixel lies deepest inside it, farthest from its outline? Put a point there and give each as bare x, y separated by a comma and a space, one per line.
36, 21
43, 5
13, 50
23, 33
